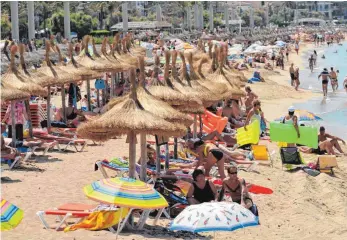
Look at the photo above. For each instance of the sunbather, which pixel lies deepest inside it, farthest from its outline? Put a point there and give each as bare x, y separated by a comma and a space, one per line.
201, 190
8, 152
237, 189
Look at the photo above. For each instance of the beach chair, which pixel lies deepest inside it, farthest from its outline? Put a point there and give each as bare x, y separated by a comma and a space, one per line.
261, 154
290, 156
64, 212
11, 163
326, 163
62, 140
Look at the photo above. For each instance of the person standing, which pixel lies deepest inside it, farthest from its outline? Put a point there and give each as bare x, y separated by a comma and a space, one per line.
333, 77
20, 116
325, 75
297, 48
296, 78
291, 72
311, 62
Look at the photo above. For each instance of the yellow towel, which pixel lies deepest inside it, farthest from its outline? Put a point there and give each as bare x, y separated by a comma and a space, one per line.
99, 220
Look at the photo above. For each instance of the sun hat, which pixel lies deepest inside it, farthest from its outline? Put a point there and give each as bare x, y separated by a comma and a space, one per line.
291, 109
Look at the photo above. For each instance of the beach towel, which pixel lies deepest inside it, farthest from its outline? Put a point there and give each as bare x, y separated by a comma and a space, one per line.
99, 220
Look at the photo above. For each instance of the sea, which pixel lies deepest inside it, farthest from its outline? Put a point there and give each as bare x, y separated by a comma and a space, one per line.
333, 108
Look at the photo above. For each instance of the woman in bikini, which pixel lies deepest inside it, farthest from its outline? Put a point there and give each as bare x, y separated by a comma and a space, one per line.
255, 114
237, 189
209, 155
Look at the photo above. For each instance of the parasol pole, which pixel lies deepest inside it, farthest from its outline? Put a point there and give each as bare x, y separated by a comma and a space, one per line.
48, 109
157, 165
201, 124
195, 127
167, 156
88, 96
175, 148
13, 124
143, 171
113, 79
63, 102
131, 134
98, 97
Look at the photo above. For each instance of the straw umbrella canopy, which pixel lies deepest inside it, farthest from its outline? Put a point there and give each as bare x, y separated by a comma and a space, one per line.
94, 62
207, 97
219, 76
152, 104
9, 93
219, 89
119, 51
37, 77
60, 76
14, 78
128, 118
75, 68
168, 93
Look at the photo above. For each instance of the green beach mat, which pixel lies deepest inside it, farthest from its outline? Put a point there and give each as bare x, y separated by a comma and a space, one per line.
280, 132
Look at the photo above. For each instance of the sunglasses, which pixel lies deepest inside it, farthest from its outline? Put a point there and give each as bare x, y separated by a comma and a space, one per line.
232, 172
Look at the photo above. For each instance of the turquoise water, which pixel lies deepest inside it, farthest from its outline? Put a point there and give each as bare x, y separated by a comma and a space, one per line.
333, 109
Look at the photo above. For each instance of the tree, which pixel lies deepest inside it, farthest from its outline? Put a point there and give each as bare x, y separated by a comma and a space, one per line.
82, 24
5, 26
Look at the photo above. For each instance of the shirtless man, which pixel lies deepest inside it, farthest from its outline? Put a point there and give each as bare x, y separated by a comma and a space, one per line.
291, 72
326, 144
325, 75
311, 62
345, 83
333, 77
250, 97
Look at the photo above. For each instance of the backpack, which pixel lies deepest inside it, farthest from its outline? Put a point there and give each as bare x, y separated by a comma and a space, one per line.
100, 84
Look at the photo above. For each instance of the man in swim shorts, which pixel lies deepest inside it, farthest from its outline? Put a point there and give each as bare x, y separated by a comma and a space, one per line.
333, 77
324, 137
345, 83
325, 75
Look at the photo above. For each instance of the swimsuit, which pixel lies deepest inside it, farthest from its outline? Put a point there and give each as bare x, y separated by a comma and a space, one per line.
203, 195
217, 154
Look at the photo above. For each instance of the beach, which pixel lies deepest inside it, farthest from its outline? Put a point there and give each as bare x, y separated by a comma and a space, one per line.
301, 206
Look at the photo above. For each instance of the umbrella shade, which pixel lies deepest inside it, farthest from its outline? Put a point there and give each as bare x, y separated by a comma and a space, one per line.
125, 192
303, 115
11, 215
211, 217
9, 93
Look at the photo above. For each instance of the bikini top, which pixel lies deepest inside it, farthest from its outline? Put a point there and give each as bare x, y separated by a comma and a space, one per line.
207, 148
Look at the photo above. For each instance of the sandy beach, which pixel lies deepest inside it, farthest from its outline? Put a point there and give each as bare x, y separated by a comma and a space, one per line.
301, 207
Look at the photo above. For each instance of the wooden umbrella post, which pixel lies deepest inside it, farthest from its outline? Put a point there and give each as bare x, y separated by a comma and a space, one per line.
98, 97
63, 102
13, 105
113, 80
157, 164
143, 171
175, 148
88, 96
132, 153
195, 127
167, 154
201, 124
48, 109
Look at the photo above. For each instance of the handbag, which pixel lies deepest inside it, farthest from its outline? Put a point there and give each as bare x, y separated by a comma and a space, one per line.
100, 84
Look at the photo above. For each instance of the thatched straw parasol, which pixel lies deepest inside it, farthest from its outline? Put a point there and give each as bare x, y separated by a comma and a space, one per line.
15, 79
219, 76
122, 66
94, 63
37, 77
129, 118
165, 90
60, 76
75, 68
9, 93
120, 52
207, 97
152, 104
219, 89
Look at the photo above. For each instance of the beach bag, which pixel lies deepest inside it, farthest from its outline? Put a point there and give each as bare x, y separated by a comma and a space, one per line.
100, 84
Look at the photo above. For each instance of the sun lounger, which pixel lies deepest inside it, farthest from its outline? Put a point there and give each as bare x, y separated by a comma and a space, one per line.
66, 211
11, 163
62, 140
290, 156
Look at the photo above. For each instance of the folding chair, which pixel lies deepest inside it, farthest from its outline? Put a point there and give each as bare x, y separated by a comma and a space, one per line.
291, 156
261, 154
326, 163
10, 164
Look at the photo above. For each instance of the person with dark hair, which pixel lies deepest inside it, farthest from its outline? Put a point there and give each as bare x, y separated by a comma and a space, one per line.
255, 114
333, 77
201, 190
250, 97
209, 155
325, 75
237, 189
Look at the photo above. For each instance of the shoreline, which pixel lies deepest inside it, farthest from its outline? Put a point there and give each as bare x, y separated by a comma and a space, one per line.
275, 93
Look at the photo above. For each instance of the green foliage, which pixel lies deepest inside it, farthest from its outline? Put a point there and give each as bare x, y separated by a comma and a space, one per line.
100, 33
57, 22
5, 26
98, 40
82, 24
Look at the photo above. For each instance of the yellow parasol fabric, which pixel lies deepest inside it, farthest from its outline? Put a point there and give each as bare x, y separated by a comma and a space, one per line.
125, 192
11, 215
